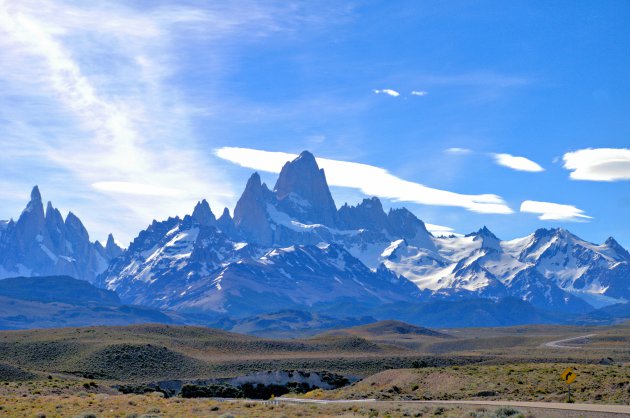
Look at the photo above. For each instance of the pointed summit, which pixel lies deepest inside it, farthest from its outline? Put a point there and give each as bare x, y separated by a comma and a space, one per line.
303, 193
488, 239
203, 215
111, 248
35, 204
250, 213
31, 221
36, 195
483, 232
226, 224
617, 249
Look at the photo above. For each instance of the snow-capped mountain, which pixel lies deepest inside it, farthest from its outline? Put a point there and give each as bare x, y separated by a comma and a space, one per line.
550, 268
190, 265
42, 243
291, 248
283, 249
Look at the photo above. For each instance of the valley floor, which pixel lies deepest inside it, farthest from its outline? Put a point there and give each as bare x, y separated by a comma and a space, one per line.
406, 371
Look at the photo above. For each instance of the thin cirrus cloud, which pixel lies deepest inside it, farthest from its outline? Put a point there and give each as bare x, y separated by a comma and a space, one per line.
598, 164
439, 230
458, 151
137, 189
370, 180
517, 163
123, 129
388, 92
548, 211
394, 93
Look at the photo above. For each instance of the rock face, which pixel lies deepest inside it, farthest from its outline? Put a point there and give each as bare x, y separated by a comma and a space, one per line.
43, 243
302, 192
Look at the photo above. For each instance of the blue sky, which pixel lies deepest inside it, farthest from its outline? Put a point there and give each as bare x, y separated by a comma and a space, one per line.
124, 113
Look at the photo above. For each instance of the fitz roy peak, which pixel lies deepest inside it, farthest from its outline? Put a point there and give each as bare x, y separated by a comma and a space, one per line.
291, 248
42, 243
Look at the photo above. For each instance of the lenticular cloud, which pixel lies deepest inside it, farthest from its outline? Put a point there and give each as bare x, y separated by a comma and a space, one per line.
598, 164
371, 180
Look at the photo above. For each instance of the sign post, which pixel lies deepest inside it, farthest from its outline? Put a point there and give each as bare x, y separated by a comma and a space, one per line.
568, 376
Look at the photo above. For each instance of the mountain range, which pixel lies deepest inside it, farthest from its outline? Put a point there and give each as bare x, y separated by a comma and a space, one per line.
290, 248
43, 243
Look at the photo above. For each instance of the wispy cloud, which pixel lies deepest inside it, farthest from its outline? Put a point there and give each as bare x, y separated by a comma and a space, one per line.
419, 93
371, 180
119, 132
598, 164
458, 151
388, 92
517, 163
548, 211
440, 230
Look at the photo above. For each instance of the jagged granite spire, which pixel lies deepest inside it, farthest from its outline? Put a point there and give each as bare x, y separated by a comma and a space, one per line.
202, 214
31, 222
42, 243
302, 192
250, 213
368, 214
112, 249
226, 224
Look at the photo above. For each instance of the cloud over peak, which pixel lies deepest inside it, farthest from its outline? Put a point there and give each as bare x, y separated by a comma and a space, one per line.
370, 180
598, 164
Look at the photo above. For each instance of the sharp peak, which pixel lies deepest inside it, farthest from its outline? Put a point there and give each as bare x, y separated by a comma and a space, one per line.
482, 232
36, 196
611, 240
254, 180
305, 155
304, 159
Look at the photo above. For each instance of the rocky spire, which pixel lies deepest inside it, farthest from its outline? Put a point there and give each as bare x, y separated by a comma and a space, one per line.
225, 223
250, 213
202, 214
368, 214
302, 192
31, 221
111, 248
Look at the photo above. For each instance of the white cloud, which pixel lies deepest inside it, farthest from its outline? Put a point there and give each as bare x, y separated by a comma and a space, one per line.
439, 230
419, 93
517, 163
371, 180
598, 164
89, 97
138, 189
458, 151
389, 92
554, 211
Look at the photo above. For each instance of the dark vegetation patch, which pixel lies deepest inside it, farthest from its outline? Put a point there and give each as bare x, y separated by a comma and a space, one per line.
40, 354
14, 374
139, 361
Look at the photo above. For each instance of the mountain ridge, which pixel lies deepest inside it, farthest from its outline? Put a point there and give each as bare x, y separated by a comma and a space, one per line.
286, 249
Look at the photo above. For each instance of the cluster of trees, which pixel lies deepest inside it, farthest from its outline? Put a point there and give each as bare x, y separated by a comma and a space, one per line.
246, 390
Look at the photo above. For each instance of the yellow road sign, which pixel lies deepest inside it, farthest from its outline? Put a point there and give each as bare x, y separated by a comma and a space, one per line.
568, 376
